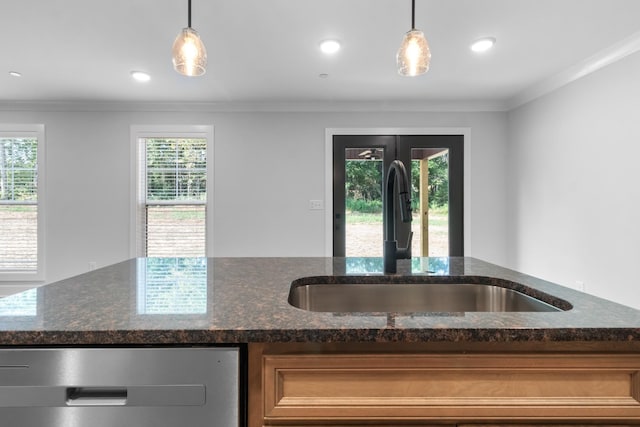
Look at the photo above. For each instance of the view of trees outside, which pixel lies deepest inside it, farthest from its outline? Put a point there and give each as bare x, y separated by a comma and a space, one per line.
176, 174
176, 169
18, 204
438, 181
364, 184
363, 188
18, 169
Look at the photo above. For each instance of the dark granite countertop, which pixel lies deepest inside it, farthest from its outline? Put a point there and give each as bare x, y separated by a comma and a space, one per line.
243, 300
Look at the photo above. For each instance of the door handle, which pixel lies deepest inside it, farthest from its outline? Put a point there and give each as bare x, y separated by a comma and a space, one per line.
96, 396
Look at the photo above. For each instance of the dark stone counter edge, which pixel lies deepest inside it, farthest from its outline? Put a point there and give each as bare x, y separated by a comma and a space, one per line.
205, 337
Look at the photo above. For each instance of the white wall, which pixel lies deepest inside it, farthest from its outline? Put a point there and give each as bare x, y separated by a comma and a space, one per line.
267, 168
574, 183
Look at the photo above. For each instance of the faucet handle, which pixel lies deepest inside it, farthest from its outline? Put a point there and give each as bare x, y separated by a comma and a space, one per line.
405, 253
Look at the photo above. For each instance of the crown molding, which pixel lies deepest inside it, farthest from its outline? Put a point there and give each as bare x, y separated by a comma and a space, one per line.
241, 107
583, 68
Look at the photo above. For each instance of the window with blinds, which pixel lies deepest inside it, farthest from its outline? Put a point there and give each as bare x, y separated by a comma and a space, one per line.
19, 242
174, 180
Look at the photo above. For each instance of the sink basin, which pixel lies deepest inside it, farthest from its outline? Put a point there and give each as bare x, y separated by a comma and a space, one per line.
354, 296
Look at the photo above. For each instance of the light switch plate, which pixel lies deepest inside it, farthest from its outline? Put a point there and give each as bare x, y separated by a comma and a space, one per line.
316, 205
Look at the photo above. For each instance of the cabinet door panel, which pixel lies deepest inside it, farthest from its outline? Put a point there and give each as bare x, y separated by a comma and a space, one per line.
450, 388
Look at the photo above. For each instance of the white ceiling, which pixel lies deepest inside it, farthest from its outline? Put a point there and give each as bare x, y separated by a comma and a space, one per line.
266, 51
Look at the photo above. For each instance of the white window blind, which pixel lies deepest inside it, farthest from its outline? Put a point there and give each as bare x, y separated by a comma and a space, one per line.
175, 196
19, 204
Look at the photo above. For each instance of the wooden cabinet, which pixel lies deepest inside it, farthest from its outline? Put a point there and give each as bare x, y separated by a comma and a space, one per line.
338, 385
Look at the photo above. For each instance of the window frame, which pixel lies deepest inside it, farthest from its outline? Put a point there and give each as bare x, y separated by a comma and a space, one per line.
138, 200
31, 131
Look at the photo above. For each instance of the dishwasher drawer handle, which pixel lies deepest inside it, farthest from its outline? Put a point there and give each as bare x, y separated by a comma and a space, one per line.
96, 396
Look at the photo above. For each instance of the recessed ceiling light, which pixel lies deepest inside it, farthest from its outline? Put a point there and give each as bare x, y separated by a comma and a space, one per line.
483, 45
323, 75
140, 76
330, 46
15, 74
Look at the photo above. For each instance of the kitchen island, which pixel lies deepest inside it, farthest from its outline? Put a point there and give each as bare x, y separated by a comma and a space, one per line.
579, 364
244, 300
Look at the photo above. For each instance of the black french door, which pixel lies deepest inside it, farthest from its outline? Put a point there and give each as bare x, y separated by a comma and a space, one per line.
435, 163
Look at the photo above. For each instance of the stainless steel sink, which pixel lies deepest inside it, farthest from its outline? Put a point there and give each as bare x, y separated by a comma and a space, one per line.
412, 298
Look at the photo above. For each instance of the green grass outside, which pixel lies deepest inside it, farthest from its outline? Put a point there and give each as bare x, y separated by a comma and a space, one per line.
18, 208
179, 213
437, 217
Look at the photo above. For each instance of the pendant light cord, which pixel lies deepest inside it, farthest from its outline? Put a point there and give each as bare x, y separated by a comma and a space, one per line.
413, 14
189, 13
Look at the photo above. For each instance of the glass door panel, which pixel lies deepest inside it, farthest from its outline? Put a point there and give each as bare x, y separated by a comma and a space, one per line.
363, 201
359, 164
430, 200
437, 170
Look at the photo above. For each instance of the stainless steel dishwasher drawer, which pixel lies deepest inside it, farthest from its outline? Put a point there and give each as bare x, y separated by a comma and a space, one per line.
106, 387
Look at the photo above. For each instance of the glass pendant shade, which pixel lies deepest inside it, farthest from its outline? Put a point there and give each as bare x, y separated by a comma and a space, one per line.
189, 53
414, 55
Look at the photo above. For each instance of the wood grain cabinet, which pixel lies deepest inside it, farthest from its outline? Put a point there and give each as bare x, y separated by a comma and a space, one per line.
291, 385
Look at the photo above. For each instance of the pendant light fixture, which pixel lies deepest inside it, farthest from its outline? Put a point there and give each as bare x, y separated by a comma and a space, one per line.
189, 53
414, 55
